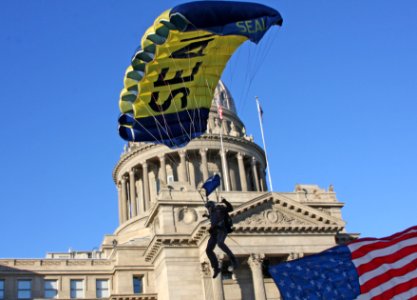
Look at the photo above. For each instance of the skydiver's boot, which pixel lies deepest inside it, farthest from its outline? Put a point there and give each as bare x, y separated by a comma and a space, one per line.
216, 272
235, 263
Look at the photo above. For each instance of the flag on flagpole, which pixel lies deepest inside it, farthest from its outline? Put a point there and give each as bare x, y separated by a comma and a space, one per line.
367, 268
211, 184
260, 111
219, 108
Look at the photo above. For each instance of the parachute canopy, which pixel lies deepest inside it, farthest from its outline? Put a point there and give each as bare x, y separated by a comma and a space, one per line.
168, 88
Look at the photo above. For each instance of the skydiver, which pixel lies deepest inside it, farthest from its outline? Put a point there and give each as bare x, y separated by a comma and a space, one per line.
220, 226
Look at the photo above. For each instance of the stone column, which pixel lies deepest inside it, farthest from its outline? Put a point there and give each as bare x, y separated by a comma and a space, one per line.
233, 179
203, 153
182, 172
255, 264
192, 173
255, 175
207, 282
133, 202
119, 192
162, 170
124, 200
262, 179
225, 170
218, 292
242, 173
146, 192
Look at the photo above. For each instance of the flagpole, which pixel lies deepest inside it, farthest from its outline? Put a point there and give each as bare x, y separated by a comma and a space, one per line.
263, 140
223, 154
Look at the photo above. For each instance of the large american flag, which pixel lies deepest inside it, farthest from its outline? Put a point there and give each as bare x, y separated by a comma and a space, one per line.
367, 268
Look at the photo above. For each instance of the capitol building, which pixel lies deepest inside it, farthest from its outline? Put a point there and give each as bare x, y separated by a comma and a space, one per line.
158, 250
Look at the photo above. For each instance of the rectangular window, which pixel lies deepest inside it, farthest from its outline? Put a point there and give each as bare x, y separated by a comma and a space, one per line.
137, 285
77, 288
1, 288
102, 288
170, 178
24, 289
50, 289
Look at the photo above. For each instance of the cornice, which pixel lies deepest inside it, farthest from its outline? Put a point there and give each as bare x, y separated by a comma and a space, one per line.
195, 144
170, 241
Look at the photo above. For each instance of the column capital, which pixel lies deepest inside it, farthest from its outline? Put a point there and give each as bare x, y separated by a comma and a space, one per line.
161, 157
294, 255
240, 155
182, 153
144, 164
254, 160
203, 151
255, 260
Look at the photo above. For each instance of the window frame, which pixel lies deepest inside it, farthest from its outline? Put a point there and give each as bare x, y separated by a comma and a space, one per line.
138, 277
76, 296
45, 289
107, 289
2, 288
24, 289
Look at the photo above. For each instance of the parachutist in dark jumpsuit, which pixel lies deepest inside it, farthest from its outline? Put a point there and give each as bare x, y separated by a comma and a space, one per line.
218, 215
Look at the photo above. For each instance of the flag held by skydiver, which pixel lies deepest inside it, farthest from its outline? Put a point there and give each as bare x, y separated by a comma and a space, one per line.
211, 184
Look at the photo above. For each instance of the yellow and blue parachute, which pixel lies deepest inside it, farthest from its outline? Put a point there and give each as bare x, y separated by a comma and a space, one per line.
168, 88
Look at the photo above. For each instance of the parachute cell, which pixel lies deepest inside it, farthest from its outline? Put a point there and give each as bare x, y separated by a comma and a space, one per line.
168, 88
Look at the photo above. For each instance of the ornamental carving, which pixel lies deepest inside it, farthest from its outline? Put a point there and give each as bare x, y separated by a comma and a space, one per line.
272, 217
187, 215
205, 268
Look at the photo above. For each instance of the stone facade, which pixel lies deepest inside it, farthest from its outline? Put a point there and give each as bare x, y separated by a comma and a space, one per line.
158, 250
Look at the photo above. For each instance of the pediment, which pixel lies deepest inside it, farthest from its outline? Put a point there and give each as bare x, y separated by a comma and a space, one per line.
275, 212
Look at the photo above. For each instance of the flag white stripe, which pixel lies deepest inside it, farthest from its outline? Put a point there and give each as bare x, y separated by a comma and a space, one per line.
386, 267
355, 246
388, 285
383, 252
406, 295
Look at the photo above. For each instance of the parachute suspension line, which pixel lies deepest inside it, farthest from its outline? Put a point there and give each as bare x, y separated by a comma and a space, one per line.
167, 131
263, 52
160, 126
150, 133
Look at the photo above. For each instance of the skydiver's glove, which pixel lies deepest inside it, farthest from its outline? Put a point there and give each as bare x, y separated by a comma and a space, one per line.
229, 206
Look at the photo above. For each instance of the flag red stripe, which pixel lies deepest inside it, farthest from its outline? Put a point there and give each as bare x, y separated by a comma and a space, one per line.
395, 235
389, 274
388, 259
398, 289
365, 249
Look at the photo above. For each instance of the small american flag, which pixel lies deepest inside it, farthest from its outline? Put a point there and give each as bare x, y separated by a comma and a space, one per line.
261, 112
219, 109
367, 268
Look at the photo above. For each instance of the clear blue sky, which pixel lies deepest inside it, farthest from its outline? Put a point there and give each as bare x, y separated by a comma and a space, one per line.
338, 86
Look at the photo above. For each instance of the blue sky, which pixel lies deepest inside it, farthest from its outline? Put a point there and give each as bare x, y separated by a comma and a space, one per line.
338, 86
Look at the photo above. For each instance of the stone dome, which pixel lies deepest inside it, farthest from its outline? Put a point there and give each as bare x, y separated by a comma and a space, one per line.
222, 94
